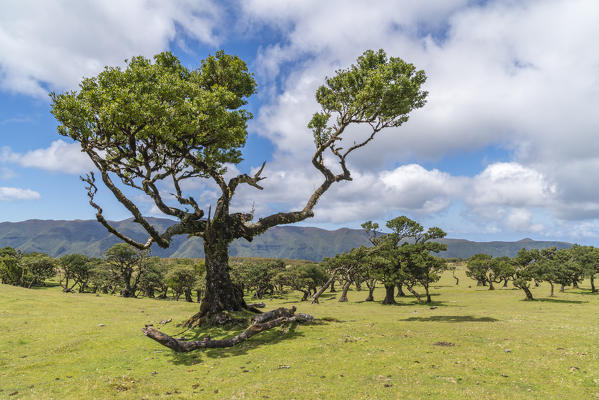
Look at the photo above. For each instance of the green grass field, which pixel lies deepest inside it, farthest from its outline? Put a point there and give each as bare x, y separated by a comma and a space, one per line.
476, 344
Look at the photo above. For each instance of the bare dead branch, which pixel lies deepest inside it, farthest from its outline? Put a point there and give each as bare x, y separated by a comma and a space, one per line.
250, 180
91, 192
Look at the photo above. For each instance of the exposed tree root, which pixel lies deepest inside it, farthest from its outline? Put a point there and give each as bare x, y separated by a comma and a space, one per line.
260, 323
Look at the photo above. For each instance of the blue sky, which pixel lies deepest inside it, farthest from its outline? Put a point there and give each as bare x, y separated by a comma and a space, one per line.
507, 146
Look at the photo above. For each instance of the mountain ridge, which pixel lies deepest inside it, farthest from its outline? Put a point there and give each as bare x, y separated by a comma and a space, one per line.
59, 237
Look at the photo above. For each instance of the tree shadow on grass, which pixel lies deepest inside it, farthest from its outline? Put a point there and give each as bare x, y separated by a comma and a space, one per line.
450, 318
550, 300
587, 292
269, 337
410, 301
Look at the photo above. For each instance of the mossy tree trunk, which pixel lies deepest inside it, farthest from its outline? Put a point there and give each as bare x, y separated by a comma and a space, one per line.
220, 294
371, 283
527, 292
400, 292
415, 293
389, 294
346, 286
428, 295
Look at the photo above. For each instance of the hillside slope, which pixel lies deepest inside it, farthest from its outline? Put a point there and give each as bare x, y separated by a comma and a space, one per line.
57, 238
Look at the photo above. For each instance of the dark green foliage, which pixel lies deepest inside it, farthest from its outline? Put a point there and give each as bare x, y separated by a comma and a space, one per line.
407, 251
182, 278
525, 271
25, 270
305, 278
355, 266
377, 89
587, 257
161, 104
478, 266
153, 282
74, 270
126, 265
256, 276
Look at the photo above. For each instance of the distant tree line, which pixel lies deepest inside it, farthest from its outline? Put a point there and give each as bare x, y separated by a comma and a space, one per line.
557, 267
402, 260
123, 270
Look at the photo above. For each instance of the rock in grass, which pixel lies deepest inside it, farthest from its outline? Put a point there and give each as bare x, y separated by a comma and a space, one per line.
445, 344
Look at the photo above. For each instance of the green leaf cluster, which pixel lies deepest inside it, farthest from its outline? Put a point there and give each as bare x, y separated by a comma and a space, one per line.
376, 89
153, 111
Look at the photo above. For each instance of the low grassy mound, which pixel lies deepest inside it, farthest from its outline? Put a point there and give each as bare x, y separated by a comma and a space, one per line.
471, 343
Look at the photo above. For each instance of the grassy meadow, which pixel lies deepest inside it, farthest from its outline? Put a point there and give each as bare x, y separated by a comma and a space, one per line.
472, 344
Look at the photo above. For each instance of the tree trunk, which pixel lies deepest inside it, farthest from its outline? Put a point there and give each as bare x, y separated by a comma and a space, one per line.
188, 296
575, 284
593, 289
128, 291
562, 288
415, 293
343, 297
527, 292
65, 288
428, 295
491, 287
371, 283
505, 283
199, 295
389, 294
370, 294
306, 294
358, 285
400, 292
324, 287
552, 292
333, 287
221, 294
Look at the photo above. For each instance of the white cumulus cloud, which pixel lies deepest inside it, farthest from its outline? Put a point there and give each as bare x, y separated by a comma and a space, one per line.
53, 44
60, 156
12, 193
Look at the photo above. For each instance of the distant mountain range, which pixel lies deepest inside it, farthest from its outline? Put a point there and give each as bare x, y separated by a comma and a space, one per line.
89, 237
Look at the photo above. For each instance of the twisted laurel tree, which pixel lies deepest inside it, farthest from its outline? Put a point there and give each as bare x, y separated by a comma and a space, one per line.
157, 124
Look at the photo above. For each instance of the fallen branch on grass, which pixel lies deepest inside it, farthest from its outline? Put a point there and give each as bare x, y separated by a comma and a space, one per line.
260, 323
